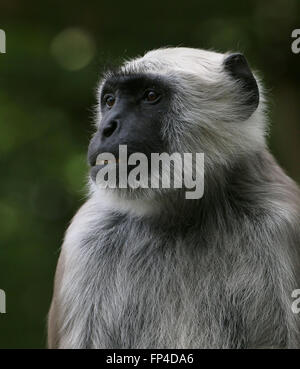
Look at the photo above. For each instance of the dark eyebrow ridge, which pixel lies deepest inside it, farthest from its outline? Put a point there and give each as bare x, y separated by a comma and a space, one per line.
114, 76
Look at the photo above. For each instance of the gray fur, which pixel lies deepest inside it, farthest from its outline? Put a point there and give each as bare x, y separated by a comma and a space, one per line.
157, 271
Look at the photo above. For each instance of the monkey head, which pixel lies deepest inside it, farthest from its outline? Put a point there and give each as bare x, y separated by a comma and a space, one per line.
180, 100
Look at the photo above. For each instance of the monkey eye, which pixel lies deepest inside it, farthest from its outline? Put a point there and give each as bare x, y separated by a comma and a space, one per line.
151, 96
109, 100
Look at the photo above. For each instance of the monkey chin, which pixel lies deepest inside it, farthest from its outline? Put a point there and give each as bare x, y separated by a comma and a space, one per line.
128, 193
111, 184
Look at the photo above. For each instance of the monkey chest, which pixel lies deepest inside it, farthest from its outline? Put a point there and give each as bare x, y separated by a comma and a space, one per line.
149, 292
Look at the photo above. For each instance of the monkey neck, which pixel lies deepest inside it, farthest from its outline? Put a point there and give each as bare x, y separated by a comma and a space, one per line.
235, 190
239, 190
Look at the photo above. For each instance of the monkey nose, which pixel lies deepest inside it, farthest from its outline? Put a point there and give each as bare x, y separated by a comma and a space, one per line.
109, 128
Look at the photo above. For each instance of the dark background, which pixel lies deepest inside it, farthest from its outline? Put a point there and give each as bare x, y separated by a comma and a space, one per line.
55, 52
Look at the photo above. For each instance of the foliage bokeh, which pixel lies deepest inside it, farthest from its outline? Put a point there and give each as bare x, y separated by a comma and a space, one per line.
55, 52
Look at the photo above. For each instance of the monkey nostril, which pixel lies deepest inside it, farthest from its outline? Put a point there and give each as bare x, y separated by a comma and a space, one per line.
110, 128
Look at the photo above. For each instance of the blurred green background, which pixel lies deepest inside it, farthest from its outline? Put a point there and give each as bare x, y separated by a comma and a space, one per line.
55, 52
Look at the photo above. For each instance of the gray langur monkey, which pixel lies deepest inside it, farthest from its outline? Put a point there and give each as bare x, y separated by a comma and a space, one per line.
147, 268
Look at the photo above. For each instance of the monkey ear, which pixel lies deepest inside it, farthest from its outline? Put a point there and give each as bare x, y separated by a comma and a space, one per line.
237, 67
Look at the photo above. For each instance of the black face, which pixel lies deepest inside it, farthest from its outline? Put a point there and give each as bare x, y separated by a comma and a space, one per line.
132, 109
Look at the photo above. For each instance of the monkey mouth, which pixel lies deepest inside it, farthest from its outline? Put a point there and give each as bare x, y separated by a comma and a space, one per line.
102, 163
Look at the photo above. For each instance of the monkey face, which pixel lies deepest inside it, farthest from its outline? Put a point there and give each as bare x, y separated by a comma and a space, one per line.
132, 110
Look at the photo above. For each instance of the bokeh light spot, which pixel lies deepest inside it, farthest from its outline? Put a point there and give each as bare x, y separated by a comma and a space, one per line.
73, 49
